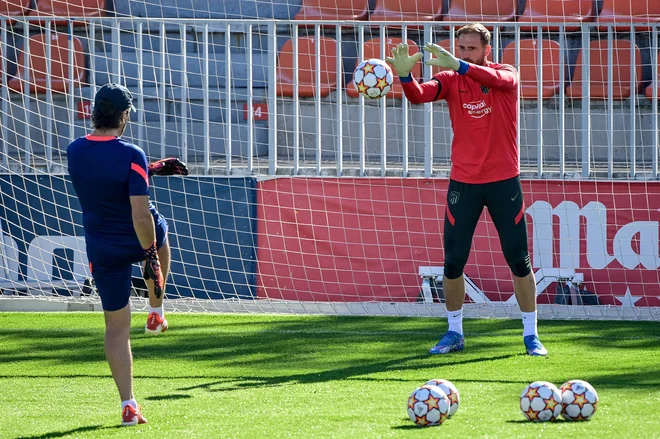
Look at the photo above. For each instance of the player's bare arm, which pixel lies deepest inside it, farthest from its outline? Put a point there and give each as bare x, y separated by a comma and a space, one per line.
143, 222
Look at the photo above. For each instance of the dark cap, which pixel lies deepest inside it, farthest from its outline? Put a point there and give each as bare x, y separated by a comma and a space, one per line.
115, 95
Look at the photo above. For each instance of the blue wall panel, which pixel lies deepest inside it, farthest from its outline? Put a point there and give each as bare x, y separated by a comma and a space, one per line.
212, 229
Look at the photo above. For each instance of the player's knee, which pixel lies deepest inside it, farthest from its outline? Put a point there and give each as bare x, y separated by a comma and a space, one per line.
453, 271
520, 265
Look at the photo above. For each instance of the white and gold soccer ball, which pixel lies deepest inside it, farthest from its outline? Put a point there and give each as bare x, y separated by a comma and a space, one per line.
541, 402
428, 406
450, 390
373, 78
579, 400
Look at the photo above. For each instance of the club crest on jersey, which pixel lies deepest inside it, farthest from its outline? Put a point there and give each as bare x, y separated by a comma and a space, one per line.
453, 197
485, 90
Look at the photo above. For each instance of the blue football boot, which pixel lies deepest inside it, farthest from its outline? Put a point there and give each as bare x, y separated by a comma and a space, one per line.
451, 341
534, 346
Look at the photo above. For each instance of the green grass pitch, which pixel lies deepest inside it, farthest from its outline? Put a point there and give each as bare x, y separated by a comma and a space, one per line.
264, 376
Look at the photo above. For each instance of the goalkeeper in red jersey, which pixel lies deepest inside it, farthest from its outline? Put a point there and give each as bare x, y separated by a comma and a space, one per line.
483, 101
111, 179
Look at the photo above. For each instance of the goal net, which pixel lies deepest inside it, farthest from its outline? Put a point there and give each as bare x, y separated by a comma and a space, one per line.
305, 197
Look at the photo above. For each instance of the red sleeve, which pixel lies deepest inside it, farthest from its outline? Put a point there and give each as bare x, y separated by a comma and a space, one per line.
138, 180
504, 77
435, 89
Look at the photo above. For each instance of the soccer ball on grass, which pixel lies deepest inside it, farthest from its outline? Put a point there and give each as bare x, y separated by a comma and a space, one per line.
450, 390
541, 402
428, 406
579, 400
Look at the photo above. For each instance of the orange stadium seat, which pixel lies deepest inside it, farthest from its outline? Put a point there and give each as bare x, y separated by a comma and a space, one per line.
59, 64
649, 89
69, 8
372, 50
480, 10
411, 10
635, 11
14, 8
307, 67
529, 67
600, 71
333, 10
571, 12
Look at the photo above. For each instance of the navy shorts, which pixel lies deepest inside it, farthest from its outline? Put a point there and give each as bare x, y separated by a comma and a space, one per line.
112, 267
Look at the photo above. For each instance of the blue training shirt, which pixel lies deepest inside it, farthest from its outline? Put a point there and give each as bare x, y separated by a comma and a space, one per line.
106, 172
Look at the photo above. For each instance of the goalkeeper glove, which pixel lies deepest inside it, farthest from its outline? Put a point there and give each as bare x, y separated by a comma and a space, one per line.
152, 269
442, 57
169, 166
401, 60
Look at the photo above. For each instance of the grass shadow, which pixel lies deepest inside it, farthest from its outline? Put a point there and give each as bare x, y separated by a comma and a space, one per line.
171, 397
54, 434
340, 374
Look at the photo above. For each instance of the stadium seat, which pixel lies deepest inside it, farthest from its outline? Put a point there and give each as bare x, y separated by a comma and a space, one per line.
333, 10
414, 10
307, 67
69, 8
571, 12
635, 11
466, 11
14, 8
372, 50
59, 65
600, 71
649, 89
529, 67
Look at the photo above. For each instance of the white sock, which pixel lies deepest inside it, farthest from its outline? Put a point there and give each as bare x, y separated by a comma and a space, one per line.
455, 319
131, 402
158, 311
529, 320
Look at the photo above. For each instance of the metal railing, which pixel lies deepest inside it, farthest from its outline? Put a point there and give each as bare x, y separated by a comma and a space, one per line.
412, 132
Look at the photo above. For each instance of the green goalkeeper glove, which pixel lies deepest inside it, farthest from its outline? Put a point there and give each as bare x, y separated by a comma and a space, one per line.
401, 60
442, 57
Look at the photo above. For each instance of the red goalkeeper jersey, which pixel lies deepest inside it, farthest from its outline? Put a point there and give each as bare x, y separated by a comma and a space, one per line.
483, 108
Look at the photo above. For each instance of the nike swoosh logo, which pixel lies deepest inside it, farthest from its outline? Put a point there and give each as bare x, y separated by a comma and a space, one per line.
514, 198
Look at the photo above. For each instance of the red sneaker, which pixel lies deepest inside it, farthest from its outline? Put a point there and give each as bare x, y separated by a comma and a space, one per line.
132, 416
155, 324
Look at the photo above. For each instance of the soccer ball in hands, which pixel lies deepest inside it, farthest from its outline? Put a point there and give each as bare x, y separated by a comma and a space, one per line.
428, 406
373, 78
541, 402
579, 400
450, 390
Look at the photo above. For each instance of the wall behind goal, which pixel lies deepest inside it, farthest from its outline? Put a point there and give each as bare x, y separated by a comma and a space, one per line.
340, 239
364, 239
212, 234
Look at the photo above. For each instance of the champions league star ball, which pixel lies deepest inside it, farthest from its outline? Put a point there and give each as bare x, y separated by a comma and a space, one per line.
450, 390
541, 402
579, 400
428, 406
373, 78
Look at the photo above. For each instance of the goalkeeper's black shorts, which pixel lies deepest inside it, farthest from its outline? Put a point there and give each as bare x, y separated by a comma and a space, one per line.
465, 203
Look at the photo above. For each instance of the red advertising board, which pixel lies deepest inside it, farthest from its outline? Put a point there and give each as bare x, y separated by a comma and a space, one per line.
364, 239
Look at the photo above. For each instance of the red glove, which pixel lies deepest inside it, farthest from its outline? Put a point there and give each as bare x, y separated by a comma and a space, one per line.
152, 269
169, 166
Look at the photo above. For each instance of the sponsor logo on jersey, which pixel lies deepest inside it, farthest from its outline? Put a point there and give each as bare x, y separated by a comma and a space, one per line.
477, 109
